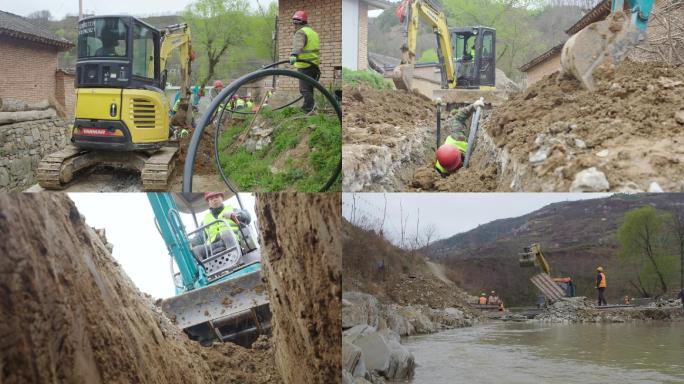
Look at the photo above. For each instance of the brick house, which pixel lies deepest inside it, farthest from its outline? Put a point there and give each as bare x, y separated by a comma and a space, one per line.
28, 63
325, 17
667, 17
355, 31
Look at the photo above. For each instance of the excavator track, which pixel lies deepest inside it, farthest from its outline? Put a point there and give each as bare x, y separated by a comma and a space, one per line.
158, 169
57, 170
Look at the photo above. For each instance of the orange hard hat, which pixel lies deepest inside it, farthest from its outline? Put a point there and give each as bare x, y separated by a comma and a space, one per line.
218, 84
209, 195
449, 157
301, 16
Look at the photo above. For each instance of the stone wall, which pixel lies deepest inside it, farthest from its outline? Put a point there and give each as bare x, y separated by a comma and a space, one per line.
22, 145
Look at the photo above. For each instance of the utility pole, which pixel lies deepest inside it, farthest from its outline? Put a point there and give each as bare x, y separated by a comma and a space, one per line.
80, 9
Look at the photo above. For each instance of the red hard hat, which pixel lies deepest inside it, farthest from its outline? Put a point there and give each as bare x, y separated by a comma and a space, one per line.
218, 84
302, 16
449, 157
209, 195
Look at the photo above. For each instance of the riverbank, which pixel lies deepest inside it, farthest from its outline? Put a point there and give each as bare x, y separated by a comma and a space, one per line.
583, 310
371, 339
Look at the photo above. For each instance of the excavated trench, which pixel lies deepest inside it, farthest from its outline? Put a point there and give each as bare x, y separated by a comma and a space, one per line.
555, 136
71, 314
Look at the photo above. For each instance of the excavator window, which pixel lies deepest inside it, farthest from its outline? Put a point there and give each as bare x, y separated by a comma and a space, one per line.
143, 52
104, 37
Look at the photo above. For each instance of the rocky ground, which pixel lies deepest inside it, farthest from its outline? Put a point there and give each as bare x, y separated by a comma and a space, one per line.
386, 134
583, 310
71, 314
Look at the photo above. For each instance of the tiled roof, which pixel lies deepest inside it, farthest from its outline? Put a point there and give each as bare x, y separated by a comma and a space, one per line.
542, 57
598, 13
21, 28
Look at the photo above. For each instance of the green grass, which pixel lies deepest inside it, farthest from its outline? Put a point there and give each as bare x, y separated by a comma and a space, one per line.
369, 78
252, 171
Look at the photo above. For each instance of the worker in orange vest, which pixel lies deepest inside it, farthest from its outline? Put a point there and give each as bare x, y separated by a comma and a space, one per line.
601, 285
483, 299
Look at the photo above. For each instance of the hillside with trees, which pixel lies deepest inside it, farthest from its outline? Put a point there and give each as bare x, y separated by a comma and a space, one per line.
639, 239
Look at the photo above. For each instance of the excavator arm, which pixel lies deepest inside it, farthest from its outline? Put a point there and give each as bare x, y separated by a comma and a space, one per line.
606, 41
412, 12
177, 37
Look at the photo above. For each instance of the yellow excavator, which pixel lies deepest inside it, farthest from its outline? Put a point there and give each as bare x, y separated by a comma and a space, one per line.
122, 116
552, 288
467, 55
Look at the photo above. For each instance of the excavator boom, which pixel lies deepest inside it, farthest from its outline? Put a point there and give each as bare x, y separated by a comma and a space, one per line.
414, 11
607, 41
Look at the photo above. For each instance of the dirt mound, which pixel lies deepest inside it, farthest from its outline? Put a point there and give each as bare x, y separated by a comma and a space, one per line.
375, 266
385, 131
301, 236
70, 313
630, 129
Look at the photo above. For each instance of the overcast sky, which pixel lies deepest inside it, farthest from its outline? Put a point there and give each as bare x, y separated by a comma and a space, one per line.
139, 248
452, 213
59, 8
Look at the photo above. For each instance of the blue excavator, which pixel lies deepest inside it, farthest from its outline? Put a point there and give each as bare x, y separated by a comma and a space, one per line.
220, 295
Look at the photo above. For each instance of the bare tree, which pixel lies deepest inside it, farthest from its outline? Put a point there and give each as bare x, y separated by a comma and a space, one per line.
678, 229
429, 234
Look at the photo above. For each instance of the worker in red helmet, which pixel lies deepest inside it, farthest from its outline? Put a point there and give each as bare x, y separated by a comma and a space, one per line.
229, 216
218, 87
450, 155
305, 57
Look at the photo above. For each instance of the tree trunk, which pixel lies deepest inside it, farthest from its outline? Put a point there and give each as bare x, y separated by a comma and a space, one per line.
649, 253
302, 263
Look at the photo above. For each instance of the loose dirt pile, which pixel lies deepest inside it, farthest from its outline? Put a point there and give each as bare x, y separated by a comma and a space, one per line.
301, 236
70, 314
386, 134
630, 130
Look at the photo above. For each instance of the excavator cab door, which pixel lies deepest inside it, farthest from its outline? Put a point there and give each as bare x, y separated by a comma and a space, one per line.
486, 58
475, 56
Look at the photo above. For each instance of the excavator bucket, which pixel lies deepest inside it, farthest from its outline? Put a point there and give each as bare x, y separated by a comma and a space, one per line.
402, 76
234, 310
603, 42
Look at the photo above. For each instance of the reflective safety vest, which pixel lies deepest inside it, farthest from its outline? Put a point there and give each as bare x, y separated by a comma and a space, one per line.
239, 103
460, 145
250, 104
602, 282
213, 231
483, 300
310, 52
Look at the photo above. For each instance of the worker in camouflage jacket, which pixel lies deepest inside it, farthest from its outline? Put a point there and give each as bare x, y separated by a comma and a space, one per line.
450, 154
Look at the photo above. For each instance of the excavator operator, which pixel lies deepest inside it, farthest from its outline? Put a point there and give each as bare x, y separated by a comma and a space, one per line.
450, 154
230, 217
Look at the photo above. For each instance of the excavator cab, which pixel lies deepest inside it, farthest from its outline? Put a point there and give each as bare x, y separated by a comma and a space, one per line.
474, 57
120, 103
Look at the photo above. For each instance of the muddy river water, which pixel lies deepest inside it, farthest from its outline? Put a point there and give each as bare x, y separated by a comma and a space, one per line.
648, 352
